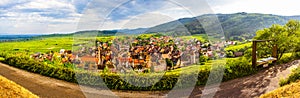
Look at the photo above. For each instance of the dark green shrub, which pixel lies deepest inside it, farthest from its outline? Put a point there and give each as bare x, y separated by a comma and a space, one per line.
203, 59
229, 54
234, 68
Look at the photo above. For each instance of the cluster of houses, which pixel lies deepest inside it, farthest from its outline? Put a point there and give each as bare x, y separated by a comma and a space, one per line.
134, 53
65, 56
160, 53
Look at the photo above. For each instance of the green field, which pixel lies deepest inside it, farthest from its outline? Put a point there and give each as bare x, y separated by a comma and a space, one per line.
201, 37
38, 45
238, 47
46, 44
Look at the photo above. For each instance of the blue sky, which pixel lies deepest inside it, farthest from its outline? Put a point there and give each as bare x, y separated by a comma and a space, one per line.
64, 16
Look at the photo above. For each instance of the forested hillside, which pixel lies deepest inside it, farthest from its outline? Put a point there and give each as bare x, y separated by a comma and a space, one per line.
236, 26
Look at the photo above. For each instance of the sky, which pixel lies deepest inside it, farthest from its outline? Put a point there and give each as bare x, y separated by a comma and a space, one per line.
68, 16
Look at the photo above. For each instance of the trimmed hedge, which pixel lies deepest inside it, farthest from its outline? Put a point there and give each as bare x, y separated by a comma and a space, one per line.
31, 65
234, 68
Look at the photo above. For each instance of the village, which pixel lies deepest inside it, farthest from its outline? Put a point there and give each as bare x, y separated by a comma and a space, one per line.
152, 53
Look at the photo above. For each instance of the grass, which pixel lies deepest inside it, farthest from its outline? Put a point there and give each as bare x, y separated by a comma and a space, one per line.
45, 44
207, 65
238, 47
201, 37
291, 91
38, 45
2, 59
9, 89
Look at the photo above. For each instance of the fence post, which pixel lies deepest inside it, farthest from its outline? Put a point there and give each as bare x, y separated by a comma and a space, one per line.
254, 53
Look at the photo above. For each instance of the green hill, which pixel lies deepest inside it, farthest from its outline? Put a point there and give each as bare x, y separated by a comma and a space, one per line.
235, 26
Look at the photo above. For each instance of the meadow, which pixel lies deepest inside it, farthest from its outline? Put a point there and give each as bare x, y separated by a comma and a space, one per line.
38, 45
47, 44
239, 47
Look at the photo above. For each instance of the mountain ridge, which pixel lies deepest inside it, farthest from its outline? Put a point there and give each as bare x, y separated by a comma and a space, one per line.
236, 26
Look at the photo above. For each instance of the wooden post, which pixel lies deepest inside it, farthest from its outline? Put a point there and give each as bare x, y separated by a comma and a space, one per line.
254, 53
274, 52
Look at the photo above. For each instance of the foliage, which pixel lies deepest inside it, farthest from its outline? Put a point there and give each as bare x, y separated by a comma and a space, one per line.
287, 57
234, 68
239, 48
292, 77
202, 59
295, 75
237, 26
2, 59
201, 37
286, 38
25, 62
248, 53
243, 47
238, 67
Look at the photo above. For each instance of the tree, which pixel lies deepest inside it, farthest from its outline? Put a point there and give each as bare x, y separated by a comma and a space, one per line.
285, 37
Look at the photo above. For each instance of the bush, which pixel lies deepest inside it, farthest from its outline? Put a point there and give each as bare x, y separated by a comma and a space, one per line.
229, 54
293, 77
287, 57
203, 59
24, 62
234, 68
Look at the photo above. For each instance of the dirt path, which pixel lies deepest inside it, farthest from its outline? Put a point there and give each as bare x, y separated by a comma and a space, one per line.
40, 85
254, 85
46, 87
250, 86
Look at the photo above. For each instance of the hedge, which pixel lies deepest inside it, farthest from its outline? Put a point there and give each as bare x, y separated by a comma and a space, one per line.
234, 68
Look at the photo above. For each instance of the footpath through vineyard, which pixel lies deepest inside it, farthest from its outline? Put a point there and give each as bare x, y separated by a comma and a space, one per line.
250, 86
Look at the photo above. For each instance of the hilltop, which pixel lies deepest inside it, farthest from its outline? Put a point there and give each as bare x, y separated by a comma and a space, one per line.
236, 26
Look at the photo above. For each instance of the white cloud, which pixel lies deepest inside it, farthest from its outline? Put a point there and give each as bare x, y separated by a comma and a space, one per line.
9, 2
279, 7
169, 12
140, 21
44, 20
4, 2
42, 4
48, 16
